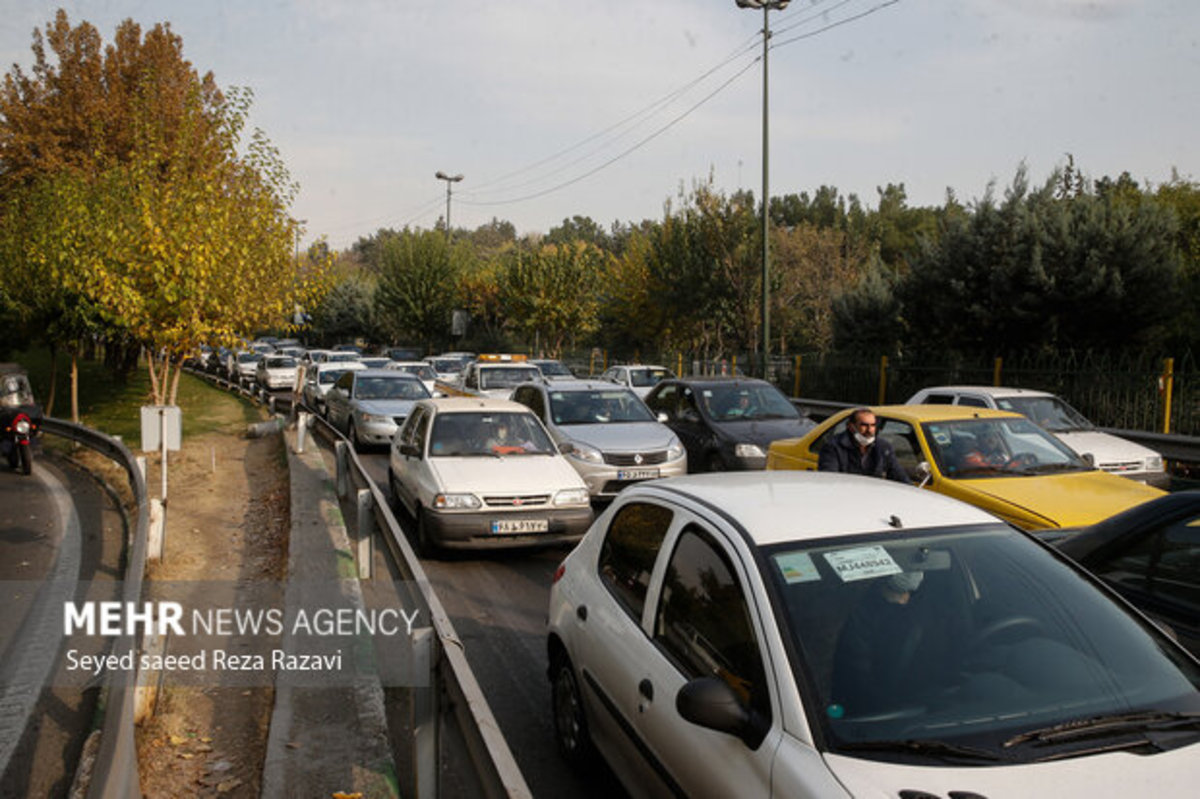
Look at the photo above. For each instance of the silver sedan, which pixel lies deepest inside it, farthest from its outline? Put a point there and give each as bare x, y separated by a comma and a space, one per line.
369, 405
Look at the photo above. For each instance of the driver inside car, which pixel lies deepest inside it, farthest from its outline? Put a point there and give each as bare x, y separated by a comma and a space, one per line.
988, 452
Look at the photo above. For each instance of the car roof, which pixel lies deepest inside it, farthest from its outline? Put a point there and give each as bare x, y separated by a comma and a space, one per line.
393, 374
715, 380
781, 506
328, 366
579, 384
990, 391
476, 404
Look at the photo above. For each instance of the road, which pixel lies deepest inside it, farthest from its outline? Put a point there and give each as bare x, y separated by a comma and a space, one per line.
61, 536
497, 602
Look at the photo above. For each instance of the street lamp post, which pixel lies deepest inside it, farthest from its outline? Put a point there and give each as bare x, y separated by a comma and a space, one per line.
766, 6
449, 180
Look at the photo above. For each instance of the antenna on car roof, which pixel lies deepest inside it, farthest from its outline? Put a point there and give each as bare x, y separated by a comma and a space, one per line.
895, 522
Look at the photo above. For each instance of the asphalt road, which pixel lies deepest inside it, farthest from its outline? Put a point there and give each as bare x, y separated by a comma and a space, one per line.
61, 535
497, 602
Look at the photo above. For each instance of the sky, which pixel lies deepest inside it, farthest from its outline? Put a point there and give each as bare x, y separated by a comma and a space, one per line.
611, 109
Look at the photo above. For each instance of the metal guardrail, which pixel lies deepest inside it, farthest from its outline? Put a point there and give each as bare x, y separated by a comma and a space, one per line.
115, 774
496, 772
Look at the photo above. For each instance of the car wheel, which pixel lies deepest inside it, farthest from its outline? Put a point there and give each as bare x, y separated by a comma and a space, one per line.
570, 723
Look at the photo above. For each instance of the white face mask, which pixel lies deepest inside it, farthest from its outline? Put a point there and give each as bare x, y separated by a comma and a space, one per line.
863, 441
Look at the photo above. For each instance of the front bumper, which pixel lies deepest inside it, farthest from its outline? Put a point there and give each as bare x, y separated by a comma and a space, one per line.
605, 481
375, 432
473, 529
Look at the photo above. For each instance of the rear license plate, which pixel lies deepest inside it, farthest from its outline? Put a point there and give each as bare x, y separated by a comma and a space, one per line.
517, 526
637, 474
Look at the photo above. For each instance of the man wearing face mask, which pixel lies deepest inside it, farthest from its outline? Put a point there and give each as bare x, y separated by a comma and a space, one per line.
856, 450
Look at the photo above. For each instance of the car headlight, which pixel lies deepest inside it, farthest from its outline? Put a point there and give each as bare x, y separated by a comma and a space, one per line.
675, 450
456, 502
749, 451
583, 452
572, 496
1154, 463
374, 418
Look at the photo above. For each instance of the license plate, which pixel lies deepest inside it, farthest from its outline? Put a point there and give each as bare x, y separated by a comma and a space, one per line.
637, 474
517, 526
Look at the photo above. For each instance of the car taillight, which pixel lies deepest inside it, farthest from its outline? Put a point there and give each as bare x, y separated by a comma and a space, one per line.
558, 573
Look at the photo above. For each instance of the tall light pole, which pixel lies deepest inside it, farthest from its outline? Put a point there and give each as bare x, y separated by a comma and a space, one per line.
449, 180
766, 6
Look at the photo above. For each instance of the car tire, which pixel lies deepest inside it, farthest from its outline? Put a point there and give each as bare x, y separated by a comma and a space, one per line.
570, 724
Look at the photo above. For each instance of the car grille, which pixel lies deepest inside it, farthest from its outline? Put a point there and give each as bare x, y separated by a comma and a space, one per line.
1123, 466
518, 501
632, 458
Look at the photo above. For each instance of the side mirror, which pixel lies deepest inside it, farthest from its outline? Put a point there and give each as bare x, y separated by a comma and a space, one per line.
925, 472
711, 703
662, 417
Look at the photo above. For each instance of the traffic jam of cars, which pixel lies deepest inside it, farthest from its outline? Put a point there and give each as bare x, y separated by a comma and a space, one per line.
731, 619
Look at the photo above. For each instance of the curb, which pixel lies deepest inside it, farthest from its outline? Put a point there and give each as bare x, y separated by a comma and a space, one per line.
324, 740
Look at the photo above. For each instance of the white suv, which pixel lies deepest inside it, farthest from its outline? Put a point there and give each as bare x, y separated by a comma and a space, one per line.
1108, 452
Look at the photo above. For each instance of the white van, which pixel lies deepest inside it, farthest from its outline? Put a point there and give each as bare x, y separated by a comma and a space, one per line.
1108, 452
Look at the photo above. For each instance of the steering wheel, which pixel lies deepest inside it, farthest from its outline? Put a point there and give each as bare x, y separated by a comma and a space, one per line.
1001, 625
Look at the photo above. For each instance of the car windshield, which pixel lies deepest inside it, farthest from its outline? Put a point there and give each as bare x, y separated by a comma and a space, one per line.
507, 376
970, 637
645, 378
447, 365
599, 406
1049, 412
330, 375
554, 369
281, 363
741, 401
341, 357
420, 370
970, 448
485, 434
389, 388
249, 357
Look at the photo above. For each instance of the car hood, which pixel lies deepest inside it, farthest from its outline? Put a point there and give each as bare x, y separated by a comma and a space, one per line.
1170, 773
763, 431
385, 407
620, 436
1075, 499
505, 474
1106, 448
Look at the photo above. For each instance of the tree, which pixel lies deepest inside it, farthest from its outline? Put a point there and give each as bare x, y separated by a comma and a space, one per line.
159, 214
553, 293
811, 265
417, 292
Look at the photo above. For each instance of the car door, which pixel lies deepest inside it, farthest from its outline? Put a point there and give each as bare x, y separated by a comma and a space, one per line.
337, 401
1159, 571
683, 417
702, 623
407, 456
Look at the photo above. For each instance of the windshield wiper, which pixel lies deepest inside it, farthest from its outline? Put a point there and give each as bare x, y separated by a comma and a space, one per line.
914, 746
1101, 725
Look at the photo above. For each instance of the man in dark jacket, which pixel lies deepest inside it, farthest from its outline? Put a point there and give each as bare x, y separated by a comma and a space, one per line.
856, 450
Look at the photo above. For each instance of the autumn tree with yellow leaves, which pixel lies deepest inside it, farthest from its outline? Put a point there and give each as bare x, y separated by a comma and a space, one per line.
133, 201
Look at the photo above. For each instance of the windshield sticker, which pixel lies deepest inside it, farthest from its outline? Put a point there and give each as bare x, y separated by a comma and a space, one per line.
862, 563
797, 567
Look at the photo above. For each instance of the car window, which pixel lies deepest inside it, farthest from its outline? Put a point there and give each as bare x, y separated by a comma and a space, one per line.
903, 439
629, 551
703, 621
345, 381
938, 399
1163, 564
531, 398
828, 434
972, 401
664, 401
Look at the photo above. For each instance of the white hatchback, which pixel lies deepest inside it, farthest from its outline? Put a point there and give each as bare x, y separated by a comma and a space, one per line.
808, 634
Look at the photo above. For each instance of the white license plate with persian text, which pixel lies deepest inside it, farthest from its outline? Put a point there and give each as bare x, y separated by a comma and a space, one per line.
517, 526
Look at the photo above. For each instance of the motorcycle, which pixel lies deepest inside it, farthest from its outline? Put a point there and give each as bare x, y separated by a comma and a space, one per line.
20, 418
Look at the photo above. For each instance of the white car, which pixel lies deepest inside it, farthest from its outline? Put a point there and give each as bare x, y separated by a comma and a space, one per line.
813, 634
421, 369
319, 378
1108, 452
638, 377
276, 372
481, 473
607, 433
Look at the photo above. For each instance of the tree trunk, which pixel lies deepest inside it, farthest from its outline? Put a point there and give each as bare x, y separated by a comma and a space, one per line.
74, 386
175, 383
53, 380
155, 393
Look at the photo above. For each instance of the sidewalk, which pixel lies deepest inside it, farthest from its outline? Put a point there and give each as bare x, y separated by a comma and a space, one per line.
328, 739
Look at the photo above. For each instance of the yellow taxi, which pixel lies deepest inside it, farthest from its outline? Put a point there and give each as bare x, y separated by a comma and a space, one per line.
996, 460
